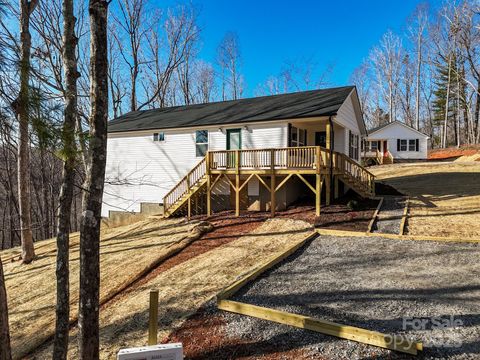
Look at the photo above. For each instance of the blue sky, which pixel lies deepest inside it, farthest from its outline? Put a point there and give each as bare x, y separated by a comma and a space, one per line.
271, 32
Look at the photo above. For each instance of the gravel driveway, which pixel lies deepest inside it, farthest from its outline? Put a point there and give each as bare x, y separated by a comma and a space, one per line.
374, 283
390, 215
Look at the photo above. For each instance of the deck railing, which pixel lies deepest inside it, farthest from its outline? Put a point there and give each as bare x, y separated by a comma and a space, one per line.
306, 157
193, 177
291, 158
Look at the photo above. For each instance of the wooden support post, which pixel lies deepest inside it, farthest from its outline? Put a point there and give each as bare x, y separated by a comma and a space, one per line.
237, 195
237, 183
209, 184
153, 318
273, 204
209, 195
318, 193
328, 188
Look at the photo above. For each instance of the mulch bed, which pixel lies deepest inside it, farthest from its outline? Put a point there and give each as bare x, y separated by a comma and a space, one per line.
204, 338
350, 212
227, 228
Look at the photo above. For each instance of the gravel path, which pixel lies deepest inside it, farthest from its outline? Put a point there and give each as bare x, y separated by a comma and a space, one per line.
390, 215
374, 283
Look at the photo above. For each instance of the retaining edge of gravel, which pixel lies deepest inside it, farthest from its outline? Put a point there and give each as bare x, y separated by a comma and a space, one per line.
395, 236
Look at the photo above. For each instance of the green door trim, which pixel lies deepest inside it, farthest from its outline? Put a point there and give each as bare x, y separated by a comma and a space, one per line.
230, 131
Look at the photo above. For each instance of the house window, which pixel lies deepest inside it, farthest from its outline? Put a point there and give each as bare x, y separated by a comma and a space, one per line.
373, 146
407, 145
353, 145
298, 137
412, 145
160, 136
201, 142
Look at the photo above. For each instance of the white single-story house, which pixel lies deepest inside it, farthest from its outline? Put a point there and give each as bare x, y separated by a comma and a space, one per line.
234, 149
394, 141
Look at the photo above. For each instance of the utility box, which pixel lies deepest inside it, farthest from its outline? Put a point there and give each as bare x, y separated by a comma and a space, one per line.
155, 352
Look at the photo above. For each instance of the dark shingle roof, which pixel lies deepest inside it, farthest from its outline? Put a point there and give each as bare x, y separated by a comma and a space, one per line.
323, 102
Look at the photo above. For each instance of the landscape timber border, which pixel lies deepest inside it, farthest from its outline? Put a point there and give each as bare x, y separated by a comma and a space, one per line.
404, 217
375, 214
392, 342
395, 236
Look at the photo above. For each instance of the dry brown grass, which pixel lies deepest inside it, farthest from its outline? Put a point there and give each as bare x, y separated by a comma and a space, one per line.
445, 197
185, 287
125, 254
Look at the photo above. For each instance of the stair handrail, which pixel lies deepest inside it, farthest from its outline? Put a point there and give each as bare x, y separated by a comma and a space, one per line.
358, 172
184, 185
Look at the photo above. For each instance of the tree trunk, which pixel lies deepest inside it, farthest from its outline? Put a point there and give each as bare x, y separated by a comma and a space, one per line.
60, 345
22, 109
94, 182
417, 92
447, 100
5, 351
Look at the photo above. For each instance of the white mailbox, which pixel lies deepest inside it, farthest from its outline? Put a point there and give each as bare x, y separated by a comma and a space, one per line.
156, 352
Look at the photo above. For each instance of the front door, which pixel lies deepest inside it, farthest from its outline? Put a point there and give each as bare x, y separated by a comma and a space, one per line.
234, 139
321, 138
234, 142
385, 148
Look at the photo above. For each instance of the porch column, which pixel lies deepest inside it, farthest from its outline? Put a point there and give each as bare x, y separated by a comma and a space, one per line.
328, 178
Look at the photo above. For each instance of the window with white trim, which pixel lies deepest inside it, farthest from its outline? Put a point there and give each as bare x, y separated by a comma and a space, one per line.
160, 136
201, 142
353, 145
298, 137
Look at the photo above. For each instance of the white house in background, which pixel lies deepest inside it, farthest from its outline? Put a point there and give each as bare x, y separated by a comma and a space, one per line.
150, 151
394, 141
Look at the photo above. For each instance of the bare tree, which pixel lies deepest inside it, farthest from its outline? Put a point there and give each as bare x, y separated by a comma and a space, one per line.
180, 32
387, 60
22, 108
417, 28
88, 315
133, 21
229, 59
205, 79
70, 40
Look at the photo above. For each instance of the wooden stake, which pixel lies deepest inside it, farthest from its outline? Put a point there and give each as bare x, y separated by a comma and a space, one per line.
153, 318
318, 193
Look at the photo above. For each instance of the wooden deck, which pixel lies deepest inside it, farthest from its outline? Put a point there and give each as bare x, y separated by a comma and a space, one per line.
268, 166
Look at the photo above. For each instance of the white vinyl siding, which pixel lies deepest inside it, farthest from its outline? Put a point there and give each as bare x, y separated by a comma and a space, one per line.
407, 136
140, 169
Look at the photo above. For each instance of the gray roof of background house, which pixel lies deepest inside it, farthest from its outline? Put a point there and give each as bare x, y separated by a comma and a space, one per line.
303, 104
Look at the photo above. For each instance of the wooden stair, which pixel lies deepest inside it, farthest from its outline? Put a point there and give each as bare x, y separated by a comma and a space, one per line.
185, 189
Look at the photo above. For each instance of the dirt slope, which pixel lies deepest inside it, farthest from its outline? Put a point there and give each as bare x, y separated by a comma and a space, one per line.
125, 253
187, 286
